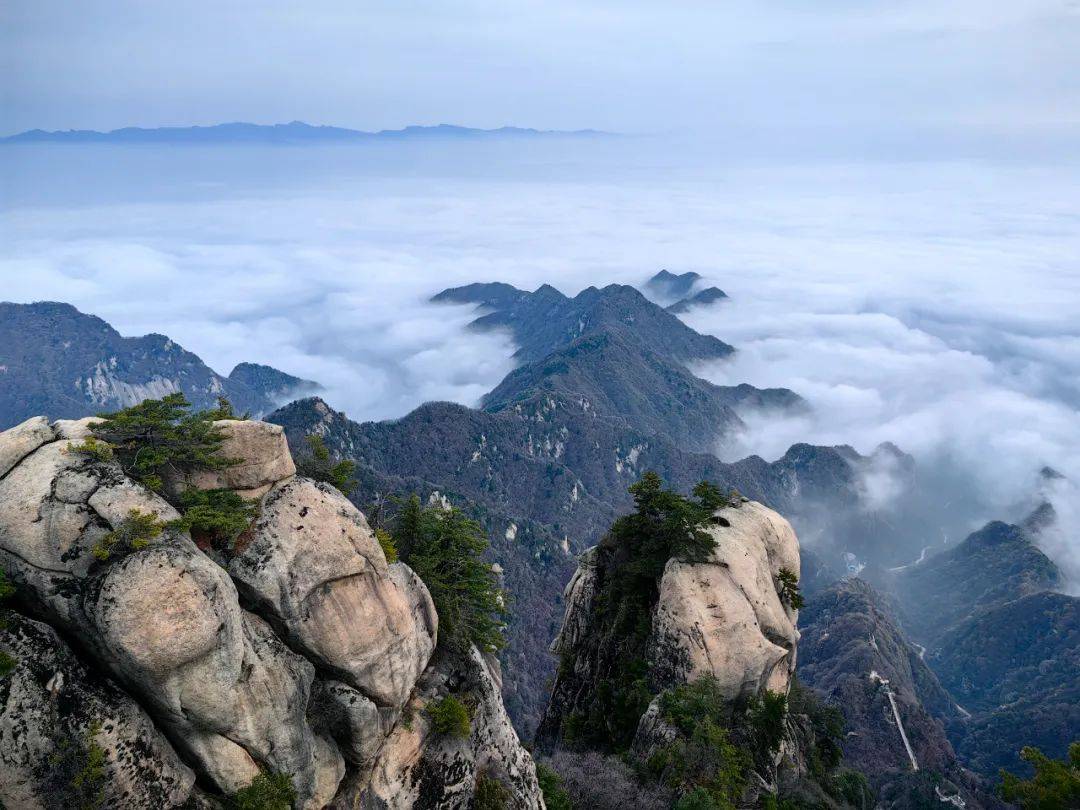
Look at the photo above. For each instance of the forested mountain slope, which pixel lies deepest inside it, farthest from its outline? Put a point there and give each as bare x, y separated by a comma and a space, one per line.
57, 361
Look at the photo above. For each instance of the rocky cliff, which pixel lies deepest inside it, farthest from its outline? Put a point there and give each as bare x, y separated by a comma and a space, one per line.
180, 675
559, 473
722, 616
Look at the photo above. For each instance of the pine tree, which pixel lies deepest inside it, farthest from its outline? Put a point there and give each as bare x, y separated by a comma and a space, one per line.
160, 436
446, 550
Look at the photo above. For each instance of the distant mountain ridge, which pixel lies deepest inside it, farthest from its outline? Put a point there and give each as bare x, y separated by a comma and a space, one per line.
708, 296
545, 320
58, 361
666, 284
293, 132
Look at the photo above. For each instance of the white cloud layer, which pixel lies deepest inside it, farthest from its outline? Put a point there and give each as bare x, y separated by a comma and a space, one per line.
932, 305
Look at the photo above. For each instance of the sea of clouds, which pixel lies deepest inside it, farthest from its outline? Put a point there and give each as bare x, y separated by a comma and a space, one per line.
934, 305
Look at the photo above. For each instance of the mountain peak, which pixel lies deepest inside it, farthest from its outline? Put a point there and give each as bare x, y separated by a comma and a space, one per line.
545, 320
670, 286
292, 132
710, 295
69, 364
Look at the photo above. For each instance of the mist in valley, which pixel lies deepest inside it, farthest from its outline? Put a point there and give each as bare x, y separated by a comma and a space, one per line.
928, 303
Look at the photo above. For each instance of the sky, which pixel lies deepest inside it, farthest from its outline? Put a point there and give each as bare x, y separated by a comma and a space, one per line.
889, 72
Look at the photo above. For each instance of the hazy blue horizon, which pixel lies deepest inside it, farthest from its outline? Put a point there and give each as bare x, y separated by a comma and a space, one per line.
906, 73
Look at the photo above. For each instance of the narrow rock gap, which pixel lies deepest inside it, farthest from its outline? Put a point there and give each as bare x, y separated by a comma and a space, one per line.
24, 457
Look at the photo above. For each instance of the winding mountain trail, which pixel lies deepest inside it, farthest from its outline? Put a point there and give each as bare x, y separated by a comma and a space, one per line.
922, 556
896, 713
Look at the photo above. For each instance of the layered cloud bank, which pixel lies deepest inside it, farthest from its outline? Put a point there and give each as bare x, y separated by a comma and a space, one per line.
932, 305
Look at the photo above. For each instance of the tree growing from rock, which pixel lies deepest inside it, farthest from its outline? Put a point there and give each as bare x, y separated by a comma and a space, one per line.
159, 436
788, 589
446, 550
214, 516
134, 532
663, 526
449, 716
318, 466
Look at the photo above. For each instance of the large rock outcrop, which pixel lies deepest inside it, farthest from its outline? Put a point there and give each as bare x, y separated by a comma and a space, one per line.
313, 565
262, 455
722, 616
417, 764
299, 658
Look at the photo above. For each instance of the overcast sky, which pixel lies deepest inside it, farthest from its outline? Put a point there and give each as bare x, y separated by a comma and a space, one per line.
1001, 68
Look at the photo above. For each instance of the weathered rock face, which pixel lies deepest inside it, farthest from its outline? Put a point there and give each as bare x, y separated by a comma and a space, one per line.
66, 364
22, 440
421, 769
724, 617
52, 710
313, 565
300, 662
578, 596
164, 620
263, 455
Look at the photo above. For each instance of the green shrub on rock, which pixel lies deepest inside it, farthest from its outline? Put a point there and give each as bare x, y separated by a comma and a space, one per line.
95, 448
161, 438
490, 794
7, 589
551, 785
134, 532
77, 777
318, 466
267, 791
7, 663
214, 516
449, 716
